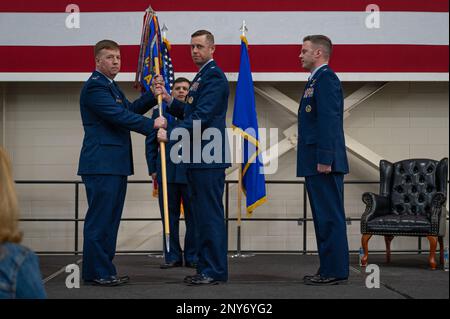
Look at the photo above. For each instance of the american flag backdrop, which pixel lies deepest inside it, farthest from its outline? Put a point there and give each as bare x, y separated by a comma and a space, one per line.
167, 64
410, 44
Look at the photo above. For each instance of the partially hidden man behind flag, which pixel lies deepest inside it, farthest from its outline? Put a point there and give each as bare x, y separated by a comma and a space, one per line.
246, 123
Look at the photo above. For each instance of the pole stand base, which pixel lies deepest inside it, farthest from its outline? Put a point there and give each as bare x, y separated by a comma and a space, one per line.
239, 254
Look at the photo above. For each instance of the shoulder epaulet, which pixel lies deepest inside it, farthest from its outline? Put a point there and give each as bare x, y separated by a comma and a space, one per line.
96, 80
322, 71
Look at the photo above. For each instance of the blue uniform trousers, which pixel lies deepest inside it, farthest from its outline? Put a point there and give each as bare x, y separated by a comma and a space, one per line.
206, 187
325, 192
176, 192
106, 197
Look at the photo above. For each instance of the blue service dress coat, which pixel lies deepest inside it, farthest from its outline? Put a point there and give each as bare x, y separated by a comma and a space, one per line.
206, 104
107, 118
320, 130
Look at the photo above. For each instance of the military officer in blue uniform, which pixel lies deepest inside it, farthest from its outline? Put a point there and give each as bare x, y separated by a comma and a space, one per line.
322, 159
176, 188
206, 105
106, 160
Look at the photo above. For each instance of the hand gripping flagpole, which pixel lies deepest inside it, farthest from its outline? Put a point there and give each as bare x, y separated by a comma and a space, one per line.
239, 253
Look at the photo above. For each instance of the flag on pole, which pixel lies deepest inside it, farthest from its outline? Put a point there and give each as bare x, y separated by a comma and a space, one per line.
151, 64
245, 122
152, 46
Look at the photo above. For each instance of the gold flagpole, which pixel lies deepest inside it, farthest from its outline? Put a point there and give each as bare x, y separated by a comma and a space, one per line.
149, 14
162, 147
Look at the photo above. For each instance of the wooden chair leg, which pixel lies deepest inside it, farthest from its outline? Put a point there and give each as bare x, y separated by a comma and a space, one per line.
432, 258
441, 250
387, 240
365, 245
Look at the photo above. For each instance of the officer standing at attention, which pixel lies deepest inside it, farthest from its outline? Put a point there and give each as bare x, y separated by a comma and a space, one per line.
206, 105
322, 159
176, 188
106, 160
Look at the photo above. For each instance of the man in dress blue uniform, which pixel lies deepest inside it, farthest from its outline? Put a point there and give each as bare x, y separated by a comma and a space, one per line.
106, 160
176, 188
322, 159
206, 105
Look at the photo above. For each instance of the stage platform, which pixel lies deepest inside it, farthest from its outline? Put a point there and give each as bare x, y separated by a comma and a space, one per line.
264, 276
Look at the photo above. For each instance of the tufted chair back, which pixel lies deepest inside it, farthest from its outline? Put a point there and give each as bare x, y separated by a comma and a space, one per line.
411, 184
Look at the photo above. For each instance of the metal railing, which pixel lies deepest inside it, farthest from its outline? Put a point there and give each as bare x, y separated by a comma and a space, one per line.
302, 220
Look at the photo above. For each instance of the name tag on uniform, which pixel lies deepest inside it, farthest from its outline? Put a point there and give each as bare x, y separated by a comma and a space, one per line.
119, 101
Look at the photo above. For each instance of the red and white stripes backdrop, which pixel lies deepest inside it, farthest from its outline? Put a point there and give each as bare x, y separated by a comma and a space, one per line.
411, 43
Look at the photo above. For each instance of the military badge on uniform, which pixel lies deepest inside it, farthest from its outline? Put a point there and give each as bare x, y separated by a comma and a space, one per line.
194, 86
308, 108
190, 99
309, 92
119, 101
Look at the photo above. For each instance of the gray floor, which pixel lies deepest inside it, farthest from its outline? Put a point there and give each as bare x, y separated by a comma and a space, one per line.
261, 276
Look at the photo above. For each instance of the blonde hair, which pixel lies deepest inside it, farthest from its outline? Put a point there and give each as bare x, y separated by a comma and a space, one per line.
105, 44
9, 207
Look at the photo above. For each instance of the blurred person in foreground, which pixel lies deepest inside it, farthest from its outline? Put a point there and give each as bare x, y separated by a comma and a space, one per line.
20, 276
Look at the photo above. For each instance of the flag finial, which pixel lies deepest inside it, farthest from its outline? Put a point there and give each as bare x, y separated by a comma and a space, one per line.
164, 30
243, 28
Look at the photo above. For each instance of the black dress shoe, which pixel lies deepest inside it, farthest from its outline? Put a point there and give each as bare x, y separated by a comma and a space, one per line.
324, 281
104, 282
171, 265
202, 280
188, 279
307, 277
121, 279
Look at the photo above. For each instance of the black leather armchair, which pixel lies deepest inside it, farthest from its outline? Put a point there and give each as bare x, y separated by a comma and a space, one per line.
411, 203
